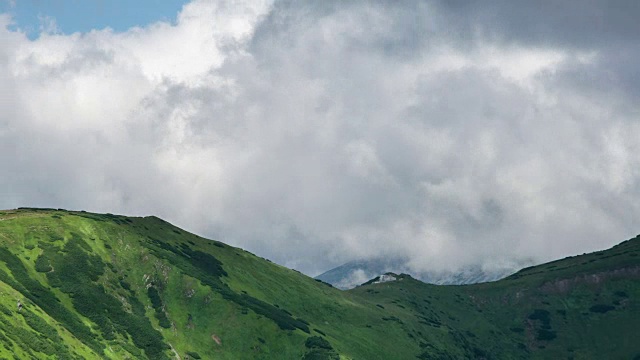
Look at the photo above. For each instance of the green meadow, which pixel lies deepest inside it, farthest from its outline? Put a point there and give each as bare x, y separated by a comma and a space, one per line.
102, 286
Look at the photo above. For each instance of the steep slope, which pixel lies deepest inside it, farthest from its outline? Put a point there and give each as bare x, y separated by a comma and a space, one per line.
108, 286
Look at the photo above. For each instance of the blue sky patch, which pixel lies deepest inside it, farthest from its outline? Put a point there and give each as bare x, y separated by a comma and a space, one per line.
33, 16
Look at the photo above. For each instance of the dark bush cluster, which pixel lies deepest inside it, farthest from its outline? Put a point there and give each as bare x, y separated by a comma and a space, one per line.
92, 300
43, 264
32, 342
5, 341
319, 349
543, 316
45, 299
120, 220
5, 310
392, 318
317, 342
156, 303
601, 308
545, 333
621, 294
193, 355
41, 326
125, 285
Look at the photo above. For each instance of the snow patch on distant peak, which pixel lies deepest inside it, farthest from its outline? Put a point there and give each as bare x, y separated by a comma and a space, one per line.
385, 278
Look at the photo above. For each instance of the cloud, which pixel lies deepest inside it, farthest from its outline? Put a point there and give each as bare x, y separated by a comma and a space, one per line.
317, 133
569, 24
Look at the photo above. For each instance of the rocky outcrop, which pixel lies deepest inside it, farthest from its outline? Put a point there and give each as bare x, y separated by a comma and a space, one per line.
563, 286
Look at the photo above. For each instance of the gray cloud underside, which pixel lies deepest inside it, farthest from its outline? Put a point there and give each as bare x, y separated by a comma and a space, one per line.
314, 133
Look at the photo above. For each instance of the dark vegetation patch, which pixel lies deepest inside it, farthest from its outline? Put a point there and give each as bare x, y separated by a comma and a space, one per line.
601, 308
33, 342
543, 316
392, 318
544, 332
545, 335
317, 342
5, 341
43, 263
470, 349
193, 355
431, 320
53, 237
44, 339
125, 285
156, 302
621, 294
91, 216
118, 219
209, 270
429, 352
5, 310
41, 326
45, 299
39, 209
319, 349
92, 300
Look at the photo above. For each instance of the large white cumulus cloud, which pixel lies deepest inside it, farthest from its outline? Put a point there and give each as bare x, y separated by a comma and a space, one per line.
315, 133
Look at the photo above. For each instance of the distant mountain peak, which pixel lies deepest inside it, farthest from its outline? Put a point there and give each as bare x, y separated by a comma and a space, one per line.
357, 272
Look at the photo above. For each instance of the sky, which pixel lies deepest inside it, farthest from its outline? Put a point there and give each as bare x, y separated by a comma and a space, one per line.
446, 133
69, 16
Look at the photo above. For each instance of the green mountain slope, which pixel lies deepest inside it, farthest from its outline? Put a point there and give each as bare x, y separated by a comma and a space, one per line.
115, 287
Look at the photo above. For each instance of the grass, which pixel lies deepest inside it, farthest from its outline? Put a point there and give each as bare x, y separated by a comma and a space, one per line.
149, 290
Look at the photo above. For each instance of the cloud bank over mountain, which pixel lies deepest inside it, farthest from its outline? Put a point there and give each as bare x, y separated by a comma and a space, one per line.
314, 133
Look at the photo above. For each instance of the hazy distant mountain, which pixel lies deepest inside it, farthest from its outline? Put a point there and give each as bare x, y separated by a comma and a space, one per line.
354, 273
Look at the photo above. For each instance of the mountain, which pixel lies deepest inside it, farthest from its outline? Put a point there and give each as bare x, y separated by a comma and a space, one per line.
77, 285
354, 273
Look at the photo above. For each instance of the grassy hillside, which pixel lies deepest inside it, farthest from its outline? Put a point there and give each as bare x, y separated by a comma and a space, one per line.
108, 286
